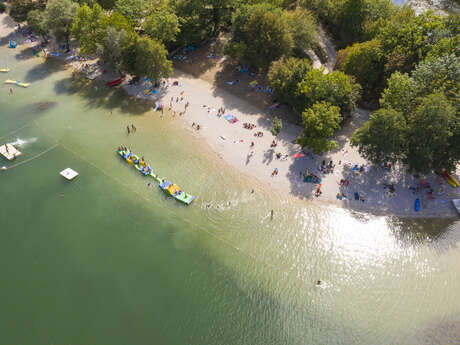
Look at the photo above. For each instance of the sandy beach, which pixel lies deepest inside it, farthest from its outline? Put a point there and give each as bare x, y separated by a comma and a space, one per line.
366, 188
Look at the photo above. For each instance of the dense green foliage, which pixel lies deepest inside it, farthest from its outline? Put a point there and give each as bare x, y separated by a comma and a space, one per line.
285, 75
320, 122
335, 88
419, 123
350, 21
363, 61
381, 139
162, 25
20, 8
260, 36
2, 7
37, 21
59, 16
151, 59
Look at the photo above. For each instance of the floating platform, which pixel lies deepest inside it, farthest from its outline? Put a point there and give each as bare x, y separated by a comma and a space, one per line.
4, 70
68, 174
17, 82
9, 152
456, 203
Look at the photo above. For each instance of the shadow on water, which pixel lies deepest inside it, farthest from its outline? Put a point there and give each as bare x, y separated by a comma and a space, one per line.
26, 53
440, 233
98, 95
44, 70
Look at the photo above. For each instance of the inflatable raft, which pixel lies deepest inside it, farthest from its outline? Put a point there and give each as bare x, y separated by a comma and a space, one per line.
4, 70
115, 82
168, 187
174, 191
17, 82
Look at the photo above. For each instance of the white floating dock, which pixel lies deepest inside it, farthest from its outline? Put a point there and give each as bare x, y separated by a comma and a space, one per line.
69, 174
456, 203
9, 151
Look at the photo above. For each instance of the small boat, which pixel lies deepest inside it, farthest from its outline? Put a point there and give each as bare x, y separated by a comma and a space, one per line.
4, 70
417, 205
450, 179
115, 82
174, 191
17, 82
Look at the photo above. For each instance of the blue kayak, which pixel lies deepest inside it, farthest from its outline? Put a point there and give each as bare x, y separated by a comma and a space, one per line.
417, 205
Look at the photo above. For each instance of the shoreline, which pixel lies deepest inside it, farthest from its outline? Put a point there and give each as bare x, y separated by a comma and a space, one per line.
231, 143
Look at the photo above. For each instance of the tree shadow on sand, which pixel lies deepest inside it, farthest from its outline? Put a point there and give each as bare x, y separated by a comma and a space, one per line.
97, 94
260, 100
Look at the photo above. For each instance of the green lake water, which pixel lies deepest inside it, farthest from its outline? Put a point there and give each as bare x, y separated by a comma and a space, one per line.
106, 259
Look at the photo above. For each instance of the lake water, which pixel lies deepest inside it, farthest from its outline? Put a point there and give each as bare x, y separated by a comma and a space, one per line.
106, 259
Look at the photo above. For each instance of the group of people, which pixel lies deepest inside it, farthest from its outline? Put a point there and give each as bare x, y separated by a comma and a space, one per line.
326, 168
196, 126
249, 125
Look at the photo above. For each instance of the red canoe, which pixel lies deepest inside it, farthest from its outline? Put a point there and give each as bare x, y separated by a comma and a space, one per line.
115, 82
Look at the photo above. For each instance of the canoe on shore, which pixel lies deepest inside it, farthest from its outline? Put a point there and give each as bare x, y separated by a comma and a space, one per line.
115, 82
17, 82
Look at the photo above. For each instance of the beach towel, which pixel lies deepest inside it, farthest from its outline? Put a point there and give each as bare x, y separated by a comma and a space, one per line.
298, 155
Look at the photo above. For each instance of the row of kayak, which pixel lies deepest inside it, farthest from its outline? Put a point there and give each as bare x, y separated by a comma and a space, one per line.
168, 187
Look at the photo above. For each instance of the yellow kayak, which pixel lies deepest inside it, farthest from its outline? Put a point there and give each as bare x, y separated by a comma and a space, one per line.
17, 82
4, 70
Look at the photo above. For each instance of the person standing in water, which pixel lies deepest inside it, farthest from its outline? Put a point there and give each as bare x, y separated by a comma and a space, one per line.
133, 128
127, 128
271, 214
11, 91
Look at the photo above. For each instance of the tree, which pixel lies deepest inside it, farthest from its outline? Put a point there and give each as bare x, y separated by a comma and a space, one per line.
400, 93
162, 25
20, 8
303, 28
382, 137
285, 75
112, 47
37, 22
260, 36
433, 134
151, 59
106, 4
88, 27
59, 17
364, 62
320, 122
277, 125
133, 10
439, 74
335, 88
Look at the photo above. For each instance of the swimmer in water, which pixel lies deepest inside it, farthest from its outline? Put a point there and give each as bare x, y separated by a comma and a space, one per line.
318, 282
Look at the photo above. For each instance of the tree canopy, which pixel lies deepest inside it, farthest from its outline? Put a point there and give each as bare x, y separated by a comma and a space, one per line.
335, 88
260, 36
320, 122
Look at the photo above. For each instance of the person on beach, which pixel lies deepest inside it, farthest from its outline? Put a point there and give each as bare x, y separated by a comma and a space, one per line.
127, 128
193, 125
197, 127
177, 99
